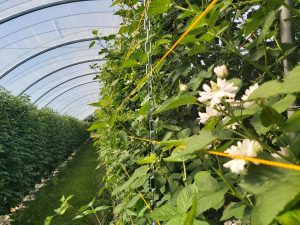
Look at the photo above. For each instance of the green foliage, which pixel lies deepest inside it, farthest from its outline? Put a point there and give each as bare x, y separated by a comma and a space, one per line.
78, 178
32, 144
244, 36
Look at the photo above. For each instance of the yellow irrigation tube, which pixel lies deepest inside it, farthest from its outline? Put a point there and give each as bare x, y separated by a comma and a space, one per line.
248, 159
257, 160
188, 30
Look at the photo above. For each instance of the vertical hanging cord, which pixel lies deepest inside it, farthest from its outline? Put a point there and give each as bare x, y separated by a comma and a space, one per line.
148, 68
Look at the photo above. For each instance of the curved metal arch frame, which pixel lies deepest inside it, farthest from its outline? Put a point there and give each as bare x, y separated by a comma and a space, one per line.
51, 31
64, 82
57, 70
59, 104
44, 51
81, 102
69, 90
59, 17
80, 107
76, 114
37, 8
76, 99
16, 75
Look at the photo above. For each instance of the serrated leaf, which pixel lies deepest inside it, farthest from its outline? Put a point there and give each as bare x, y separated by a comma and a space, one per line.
235, 210
275, 188
185, 198
266, 90
175, 102
208, 200
158, 7
192, 213
164, 213
205, 182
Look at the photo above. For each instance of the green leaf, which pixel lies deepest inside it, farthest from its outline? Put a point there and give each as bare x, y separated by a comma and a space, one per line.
269, 19
92, 44
48, 220
235, 210
158, 7
291, 83
64, 206
208, 200
164, 213
95, 32
197, 142
293, 123
270, 116
276, 190
185, 198
102, 207
266, 90
192, 213
283, 104
129, 63
139, 172
97, 124
205, 182
290, 218
175, 102
147, 159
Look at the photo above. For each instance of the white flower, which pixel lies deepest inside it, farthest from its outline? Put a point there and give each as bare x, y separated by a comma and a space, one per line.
283, 151
248, 92
210, 112
248, 148
221, 71
233, 222
217, 91
183, 87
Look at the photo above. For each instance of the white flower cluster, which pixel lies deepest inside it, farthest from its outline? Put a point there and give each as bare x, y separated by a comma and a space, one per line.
213, 95
248, 148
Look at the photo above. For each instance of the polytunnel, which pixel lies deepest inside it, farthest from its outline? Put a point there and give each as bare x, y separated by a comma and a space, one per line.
45, 51
149, 112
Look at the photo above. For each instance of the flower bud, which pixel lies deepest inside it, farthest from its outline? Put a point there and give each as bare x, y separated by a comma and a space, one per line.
221, 71
183, 87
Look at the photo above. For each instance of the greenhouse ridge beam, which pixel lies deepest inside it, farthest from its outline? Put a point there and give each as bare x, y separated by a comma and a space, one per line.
75, 100
14, 16
66, 81
44, 51
70, 90
55, 71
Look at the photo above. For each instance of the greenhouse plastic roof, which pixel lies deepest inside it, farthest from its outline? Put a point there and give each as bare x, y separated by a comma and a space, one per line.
45, 53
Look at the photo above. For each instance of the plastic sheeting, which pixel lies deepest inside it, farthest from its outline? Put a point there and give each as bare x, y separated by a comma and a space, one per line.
44, 51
